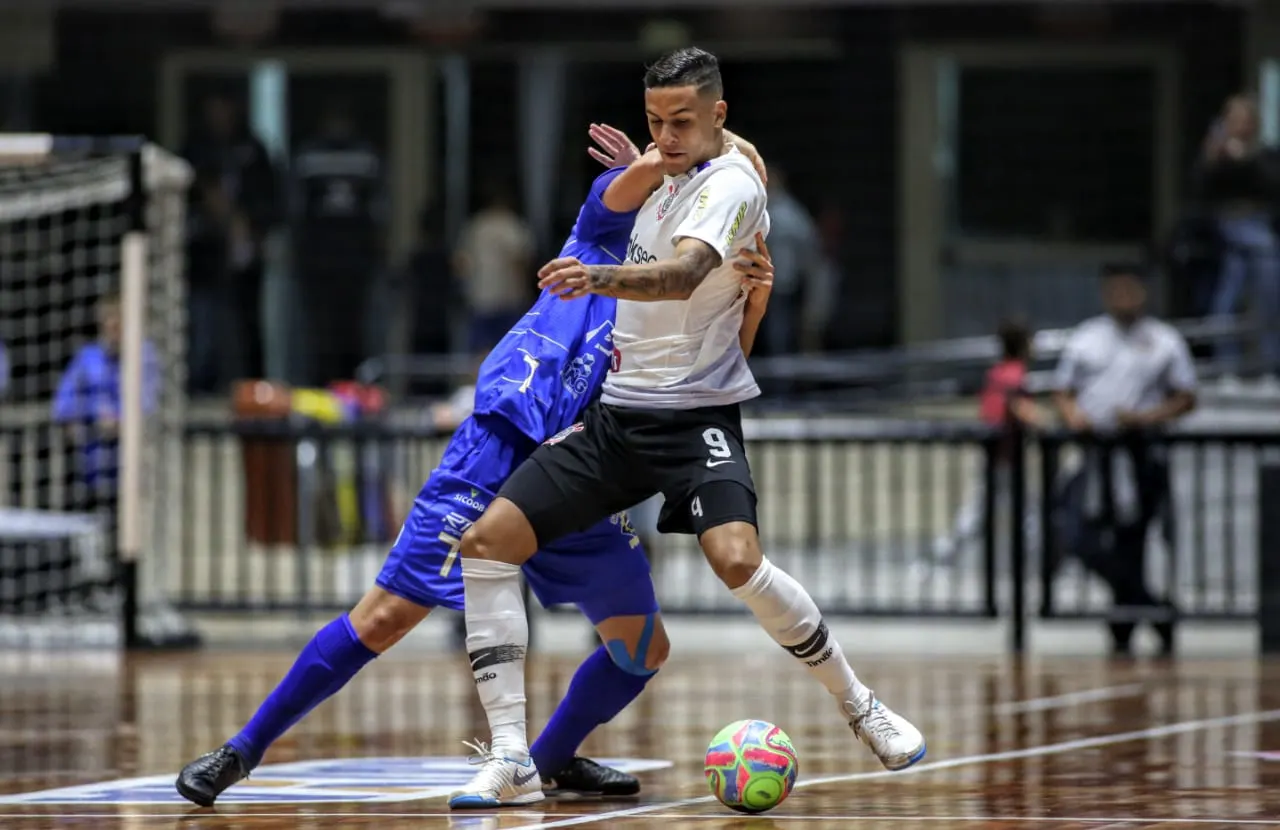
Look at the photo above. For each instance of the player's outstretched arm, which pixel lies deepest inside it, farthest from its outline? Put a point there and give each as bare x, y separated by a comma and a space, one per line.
668, 279
631, 188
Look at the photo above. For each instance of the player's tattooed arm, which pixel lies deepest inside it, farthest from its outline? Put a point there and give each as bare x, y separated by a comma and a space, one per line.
668, 279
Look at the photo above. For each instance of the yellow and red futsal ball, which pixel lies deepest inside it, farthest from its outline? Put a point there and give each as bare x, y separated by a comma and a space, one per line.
751, 766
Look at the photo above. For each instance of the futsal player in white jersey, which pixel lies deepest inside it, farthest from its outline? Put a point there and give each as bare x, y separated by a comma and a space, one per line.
668, 421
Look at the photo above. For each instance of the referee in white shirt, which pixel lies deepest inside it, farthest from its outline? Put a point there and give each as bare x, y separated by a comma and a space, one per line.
1123, 375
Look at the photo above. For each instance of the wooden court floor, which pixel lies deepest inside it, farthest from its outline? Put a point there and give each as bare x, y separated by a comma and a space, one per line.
95, 741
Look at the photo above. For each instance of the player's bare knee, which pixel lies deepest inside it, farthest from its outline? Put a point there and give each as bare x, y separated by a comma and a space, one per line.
639, 651
733, 550
502, 534
659, 646
381, 619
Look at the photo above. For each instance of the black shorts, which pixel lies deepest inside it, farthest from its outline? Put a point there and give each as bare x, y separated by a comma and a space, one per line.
617, 457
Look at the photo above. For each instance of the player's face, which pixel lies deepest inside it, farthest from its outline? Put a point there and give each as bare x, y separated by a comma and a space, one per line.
685, 126
109, 325
1124, 297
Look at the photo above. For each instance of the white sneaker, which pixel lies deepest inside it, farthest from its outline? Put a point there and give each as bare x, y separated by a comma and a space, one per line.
501, 781
890, 736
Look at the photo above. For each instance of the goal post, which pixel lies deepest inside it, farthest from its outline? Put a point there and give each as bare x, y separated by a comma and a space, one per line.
91, 227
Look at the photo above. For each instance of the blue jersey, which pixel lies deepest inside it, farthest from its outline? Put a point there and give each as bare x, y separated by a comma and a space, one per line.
538, 379
553, 362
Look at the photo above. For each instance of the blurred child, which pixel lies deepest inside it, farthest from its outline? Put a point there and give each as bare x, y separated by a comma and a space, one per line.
1004, 401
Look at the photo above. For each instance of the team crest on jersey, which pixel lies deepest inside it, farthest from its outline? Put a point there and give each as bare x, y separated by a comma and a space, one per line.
564, 433
665, 206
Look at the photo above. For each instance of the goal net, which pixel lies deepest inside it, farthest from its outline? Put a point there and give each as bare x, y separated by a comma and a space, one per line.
92, 389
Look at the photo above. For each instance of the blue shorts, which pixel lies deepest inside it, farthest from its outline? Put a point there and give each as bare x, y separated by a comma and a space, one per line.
603, 570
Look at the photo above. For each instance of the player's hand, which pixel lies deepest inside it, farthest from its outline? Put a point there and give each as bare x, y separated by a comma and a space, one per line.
1077, 422
1129, 419
756, 269
565, 277
615, 149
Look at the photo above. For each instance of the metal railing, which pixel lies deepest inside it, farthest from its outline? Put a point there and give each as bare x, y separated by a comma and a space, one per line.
282, 517
289, 518
299, 519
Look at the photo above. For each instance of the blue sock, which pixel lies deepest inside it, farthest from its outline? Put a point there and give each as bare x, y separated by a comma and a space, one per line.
599, 690
327, 663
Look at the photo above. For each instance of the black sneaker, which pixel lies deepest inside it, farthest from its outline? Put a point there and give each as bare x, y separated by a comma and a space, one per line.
584, 777
205, 778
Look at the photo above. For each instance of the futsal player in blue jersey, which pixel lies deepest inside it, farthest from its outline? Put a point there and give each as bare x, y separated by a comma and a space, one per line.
532, 387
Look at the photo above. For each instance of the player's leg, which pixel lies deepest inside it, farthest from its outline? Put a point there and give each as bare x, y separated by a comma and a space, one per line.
607, 682
420, 572
720, 507
334, 655
567, 485
379, 620
606, 574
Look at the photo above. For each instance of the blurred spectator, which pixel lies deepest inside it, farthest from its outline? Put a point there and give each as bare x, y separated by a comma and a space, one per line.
4, 370
1123, 376
493, 263
233, 206
88, 403
799, 302
1003, 402
340, 218
1238, 182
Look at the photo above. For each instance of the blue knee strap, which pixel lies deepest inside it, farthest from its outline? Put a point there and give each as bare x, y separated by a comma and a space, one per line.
625, 661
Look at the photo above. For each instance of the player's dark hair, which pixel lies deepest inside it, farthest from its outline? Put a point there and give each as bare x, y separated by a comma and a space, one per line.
110, 297
1015, 339
689, 66
1133, 270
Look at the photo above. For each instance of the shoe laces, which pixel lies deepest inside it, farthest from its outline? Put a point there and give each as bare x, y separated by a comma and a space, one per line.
480, 753
223, 755
878, 723
492, 768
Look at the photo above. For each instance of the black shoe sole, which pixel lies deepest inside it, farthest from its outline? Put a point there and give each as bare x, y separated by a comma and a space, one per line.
197, 797
616, 791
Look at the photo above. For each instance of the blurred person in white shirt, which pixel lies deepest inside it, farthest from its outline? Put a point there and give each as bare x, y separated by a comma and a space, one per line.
493, 259
1125, 376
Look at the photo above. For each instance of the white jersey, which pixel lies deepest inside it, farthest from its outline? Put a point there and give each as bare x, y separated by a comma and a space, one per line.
683, 354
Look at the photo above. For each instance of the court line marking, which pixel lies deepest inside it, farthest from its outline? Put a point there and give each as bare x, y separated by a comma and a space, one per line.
1062, 701
477, 814
948, 763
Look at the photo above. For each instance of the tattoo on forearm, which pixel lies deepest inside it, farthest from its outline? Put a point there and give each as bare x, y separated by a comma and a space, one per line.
657, 280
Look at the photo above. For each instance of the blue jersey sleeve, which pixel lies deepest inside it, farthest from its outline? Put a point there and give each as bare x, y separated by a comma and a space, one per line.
548, 368
597, 225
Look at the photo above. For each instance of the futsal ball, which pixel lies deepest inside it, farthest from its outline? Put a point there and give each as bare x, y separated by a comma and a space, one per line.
751, 766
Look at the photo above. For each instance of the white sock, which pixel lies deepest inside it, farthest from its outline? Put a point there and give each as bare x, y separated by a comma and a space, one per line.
788, 614
497, 637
